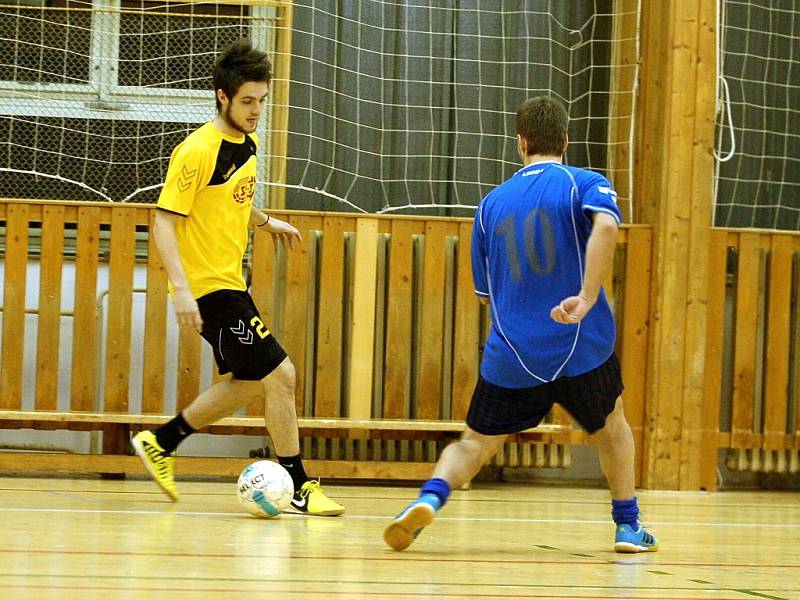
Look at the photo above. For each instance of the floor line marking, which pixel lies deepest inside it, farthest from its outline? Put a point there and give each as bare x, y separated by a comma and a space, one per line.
183, 513
395, 556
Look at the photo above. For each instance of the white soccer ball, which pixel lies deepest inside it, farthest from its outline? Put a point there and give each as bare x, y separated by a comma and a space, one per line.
265, 488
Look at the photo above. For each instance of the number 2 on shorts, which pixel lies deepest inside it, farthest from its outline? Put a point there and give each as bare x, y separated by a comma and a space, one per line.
261, 329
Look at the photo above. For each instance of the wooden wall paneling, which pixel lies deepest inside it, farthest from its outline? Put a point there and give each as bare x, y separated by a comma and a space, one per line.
116, 388
359, 398
712, 381
118, 313
49, 322
155, 329
466, 341
85, 346
429, 384
397, 378
748, 277
298, 297
676, 128
671, 257
795, 400
635, 333
14, 284
700, 198
776, 369
189, 353
330, 318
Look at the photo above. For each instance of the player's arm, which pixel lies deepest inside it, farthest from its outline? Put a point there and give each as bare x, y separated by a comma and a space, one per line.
478, 258
281, 231
187, 312
600, 249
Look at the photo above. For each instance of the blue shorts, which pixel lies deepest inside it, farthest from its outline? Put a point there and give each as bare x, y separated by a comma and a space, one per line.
589, 398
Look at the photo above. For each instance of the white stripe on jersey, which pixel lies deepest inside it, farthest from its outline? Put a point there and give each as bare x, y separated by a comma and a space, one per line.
603, 209
608, 191
496, 316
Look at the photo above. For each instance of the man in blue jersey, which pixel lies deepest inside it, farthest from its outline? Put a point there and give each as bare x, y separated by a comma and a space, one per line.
542, 243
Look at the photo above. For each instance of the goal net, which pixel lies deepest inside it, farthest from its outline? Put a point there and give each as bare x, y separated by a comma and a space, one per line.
757, 178
392, 106
94, 95
405, 106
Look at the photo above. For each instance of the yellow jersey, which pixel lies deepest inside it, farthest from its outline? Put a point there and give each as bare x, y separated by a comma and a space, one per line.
211, 181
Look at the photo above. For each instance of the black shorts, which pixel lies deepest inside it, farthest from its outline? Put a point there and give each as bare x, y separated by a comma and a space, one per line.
589, 398
241, 341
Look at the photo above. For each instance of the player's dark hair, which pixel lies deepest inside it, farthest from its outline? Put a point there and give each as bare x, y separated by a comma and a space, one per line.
542, 123
239, 63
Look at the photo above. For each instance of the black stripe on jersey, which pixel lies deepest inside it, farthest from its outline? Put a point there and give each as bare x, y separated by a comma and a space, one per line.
172, 212
230, 158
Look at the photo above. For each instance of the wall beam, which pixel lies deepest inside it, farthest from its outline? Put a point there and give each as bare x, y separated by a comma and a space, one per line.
673, 169
279, 123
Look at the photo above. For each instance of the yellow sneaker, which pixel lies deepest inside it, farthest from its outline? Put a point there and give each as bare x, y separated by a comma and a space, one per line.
160, 465
311, 500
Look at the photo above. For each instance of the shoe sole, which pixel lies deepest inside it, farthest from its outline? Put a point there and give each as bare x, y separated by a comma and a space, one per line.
631, 548
325, 513
142, 454
399, 535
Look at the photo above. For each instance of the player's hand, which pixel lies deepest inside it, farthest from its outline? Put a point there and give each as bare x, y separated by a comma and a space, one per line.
571, 310
187, 312
282, 232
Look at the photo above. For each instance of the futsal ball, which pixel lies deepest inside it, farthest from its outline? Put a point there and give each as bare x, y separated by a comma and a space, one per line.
265, 488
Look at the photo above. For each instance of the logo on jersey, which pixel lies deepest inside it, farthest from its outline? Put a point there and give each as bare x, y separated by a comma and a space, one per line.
607, 191
244, 190
230, 172
185, 178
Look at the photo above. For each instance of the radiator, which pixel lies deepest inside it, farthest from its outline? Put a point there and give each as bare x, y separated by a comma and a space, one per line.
511, 454
759, 460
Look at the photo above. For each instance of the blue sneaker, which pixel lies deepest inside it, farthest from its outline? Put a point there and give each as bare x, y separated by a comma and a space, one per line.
405, 527
630, 540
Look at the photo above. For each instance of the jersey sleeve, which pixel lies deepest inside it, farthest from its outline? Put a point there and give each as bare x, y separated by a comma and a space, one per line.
479, 274
186, 175
598, 196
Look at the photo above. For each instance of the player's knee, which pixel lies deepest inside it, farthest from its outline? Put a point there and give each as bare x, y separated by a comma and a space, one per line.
282, 377
617, 416
615, 424
484, 447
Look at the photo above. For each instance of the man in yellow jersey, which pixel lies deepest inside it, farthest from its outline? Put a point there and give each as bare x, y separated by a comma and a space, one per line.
201, 230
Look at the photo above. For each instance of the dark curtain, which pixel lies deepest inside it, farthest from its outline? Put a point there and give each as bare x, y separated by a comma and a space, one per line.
395, 103
760, 185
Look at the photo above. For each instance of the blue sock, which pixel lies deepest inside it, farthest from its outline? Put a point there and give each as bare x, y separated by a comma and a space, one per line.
625, 512
438, 488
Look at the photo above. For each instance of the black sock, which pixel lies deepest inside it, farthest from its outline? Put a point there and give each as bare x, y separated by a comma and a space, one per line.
173, 433
294, 464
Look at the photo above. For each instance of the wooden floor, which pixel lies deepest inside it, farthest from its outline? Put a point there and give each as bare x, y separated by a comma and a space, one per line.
64, 538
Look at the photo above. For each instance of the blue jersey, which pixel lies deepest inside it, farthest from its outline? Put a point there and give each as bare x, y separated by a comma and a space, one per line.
528, 254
